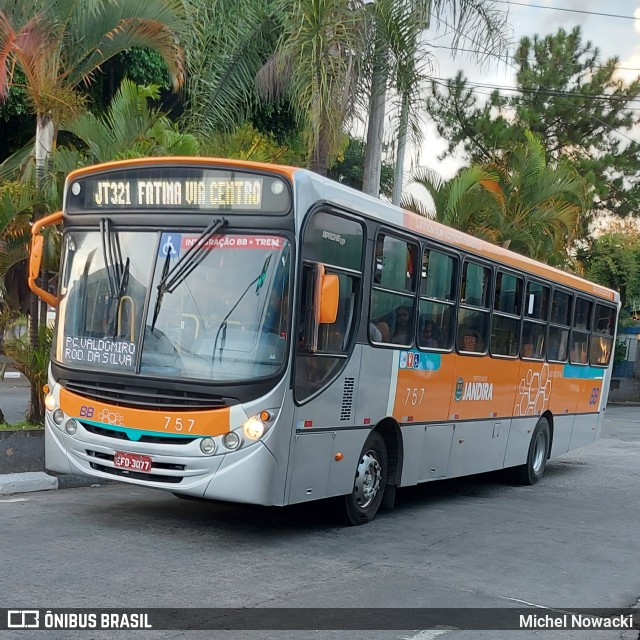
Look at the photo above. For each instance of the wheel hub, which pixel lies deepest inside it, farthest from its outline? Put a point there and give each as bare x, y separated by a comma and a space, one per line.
368, 479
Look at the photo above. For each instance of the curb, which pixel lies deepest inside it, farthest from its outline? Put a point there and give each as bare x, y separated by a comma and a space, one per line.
26, 482
29, 481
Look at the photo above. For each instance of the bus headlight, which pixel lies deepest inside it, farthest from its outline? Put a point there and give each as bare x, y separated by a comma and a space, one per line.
58, 417
253, 428
71, 426
50, 402
208, 446
232, 440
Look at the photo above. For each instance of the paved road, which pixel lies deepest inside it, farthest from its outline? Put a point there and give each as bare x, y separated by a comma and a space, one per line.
14, 399
570, 541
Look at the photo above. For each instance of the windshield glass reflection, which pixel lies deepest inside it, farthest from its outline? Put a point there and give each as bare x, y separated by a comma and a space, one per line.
225, 320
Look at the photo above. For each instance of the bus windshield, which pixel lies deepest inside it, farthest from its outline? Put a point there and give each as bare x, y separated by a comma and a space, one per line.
223, 317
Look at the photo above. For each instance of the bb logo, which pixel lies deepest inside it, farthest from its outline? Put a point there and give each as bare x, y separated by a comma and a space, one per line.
459, 389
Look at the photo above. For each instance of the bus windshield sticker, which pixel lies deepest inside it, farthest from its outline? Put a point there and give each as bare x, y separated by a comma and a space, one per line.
273, 243
101, 351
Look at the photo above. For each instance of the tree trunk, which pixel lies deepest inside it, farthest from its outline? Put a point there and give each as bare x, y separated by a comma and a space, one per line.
375, 130
36, 407
402, 145
45, 134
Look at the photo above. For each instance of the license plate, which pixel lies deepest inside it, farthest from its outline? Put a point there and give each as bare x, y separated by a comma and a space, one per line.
132, 462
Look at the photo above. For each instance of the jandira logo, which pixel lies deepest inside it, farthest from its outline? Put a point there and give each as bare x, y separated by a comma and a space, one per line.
459, 389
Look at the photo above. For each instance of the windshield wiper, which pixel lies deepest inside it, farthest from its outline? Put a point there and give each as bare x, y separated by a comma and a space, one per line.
117, 275
111, 254
172, 277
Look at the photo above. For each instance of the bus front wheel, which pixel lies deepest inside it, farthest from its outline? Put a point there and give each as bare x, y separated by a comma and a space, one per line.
362, 504
533, 470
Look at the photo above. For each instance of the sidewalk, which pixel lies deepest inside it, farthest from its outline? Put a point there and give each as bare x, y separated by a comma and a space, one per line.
14, 401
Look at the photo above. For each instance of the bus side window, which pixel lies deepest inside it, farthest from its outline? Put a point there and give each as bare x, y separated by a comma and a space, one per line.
437, 300
392, 312
560, 323
473, 314
602, 338
580, 333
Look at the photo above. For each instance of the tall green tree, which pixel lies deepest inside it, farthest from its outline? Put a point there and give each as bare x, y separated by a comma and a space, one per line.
227, 45
316, 65
59, 44
399, 58
570, 98
521, 202
613, 260
129, 128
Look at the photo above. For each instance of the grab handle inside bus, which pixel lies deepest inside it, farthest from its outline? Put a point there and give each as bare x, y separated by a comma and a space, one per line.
35, 257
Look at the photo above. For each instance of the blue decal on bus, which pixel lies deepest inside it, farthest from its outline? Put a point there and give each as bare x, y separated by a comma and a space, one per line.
419, 361
582, 372
170, 244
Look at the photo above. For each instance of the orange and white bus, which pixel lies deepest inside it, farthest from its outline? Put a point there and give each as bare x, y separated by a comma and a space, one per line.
256, 333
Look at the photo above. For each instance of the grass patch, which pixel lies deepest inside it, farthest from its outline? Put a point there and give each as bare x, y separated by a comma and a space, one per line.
20, 426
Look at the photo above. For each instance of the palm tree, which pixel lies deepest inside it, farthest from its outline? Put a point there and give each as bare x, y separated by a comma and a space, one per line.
399, 55
316, 63
537, 209
463, 202
129, 128
59, 44
518, 201
228, 44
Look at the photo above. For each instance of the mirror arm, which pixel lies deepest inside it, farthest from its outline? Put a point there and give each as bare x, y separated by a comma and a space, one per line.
35, 257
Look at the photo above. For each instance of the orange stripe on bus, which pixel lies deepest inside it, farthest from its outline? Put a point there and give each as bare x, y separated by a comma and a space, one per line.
198, 423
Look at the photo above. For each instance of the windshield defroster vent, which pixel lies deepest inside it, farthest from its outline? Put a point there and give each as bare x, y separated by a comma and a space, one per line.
143, 397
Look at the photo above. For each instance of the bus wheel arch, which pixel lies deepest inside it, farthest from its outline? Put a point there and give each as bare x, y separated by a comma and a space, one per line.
389, 429
376, 474
537, 455
549, 416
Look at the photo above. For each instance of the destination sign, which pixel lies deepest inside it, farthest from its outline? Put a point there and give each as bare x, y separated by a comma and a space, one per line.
212, 193
178, 188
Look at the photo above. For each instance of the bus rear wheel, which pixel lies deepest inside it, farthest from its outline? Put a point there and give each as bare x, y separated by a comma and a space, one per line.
362, 504
533, 470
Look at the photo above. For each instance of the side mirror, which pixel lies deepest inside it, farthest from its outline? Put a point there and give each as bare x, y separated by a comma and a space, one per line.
329, 298
325, 291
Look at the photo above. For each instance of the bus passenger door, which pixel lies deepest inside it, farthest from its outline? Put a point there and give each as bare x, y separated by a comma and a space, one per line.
324, 446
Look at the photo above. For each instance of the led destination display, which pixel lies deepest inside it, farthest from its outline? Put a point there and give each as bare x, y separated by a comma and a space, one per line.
211, 193
178, 188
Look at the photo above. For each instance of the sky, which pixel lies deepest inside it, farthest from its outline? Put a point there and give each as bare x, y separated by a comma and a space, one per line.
613, 36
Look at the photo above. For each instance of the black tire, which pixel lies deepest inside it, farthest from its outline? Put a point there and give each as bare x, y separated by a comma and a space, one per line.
362, 504
529, 473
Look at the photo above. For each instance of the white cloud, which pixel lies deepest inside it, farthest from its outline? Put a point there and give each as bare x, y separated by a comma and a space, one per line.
628, 68
636, 23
